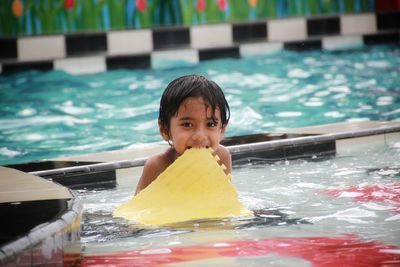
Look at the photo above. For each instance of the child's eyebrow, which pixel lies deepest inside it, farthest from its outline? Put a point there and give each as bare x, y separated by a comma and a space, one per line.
214, 119
185, 118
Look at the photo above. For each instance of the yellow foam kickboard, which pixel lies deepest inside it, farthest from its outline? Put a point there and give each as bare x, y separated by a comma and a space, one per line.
195, 186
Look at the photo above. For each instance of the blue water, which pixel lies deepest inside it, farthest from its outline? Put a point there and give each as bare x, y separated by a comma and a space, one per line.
45, 115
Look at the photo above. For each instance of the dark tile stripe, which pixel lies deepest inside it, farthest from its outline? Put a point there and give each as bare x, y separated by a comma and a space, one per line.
309, 150
47, 165
388, 21
249, 32
8, 48
171, 38
128, 62
270, 154
323, 26
381, 38
73, 180
24, 66
81, 44
303, 45
95, 180
214, 53
294, 151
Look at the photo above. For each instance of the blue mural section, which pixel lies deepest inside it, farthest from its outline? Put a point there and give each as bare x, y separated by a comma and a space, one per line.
37, 17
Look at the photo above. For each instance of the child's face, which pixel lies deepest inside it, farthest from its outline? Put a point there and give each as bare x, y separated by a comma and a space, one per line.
193, 126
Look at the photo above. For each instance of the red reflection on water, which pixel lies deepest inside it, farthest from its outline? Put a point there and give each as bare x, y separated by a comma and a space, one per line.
346, 250
379, 193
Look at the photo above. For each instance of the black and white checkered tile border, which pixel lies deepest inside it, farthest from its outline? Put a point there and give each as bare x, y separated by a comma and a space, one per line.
183, 46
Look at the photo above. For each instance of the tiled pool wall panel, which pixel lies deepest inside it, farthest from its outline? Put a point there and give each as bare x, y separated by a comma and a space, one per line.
45, 244
184, 46
348, 146
313, 147
317, 146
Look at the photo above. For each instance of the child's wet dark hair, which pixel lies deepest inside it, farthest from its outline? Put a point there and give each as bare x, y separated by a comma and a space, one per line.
181, 88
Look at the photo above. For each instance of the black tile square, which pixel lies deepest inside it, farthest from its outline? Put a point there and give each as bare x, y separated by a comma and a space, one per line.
128, 62
309, 150
81, 44
249, 32
388, 20
94, 180
323, 26
222, 52
171, 38
23, 216
25, 66
8, 48
381, 38
303, 45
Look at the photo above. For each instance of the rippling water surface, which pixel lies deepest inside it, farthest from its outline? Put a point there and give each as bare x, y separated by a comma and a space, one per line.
50, 114
353, 199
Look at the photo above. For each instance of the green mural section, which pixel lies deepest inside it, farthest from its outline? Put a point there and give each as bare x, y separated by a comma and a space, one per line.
37, 17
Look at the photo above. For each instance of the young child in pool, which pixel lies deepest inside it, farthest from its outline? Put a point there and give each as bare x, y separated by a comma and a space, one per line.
193, 114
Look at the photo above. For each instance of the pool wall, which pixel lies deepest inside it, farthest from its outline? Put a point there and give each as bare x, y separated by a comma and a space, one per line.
40, 221
182, 46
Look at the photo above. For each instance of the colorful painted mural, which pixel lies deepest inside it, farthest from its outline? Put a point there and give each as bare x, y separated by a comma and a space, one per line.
37, 17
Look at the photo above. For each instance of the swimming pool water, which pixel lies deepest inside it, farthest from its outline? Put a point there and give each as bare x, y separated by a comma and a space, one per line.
349, 195
45, 115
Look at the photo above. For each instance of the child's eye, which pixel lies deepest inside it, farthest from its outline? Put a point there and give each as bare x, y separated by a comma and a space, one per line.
212, 124
187, 124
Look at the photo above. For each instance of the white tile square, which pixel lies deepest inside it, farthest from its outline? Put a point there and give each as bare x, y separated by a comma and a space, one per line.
287, 29
356, 145
358, 24
81, 65
129, 42
210, 36
41, 48
174, 58
342, 42
260, 48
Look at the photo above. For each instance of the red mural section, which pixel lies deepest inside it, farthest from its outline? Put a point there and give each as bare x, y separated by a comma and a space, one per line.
346, 250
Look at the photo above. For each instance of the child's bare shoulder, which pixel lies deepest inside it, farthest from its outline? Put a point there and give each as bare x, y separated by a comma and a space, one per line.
225, 155
159, 162
153, 167
223, 152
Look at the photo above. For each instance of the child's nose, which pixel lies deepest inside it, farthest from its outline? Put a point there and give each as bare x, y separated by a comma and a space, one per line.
199, 136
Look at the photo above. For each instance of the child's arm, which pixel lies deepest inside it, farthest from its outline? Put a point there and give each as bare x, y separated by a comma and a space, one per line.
225, 156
